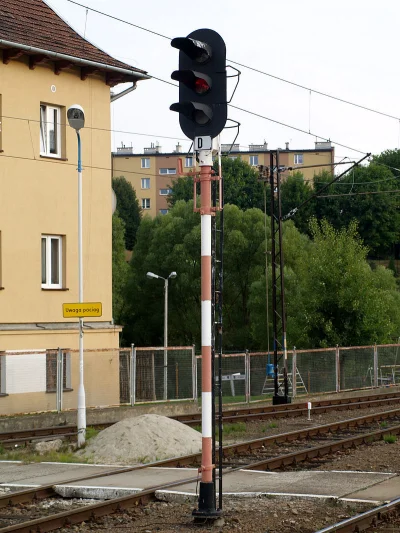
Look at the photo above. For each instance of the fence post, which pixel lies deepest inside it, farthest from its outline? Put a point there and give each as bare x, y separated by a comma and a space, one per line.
194, 374
294, 373
132, 377
375, 365
337, 367
247, 376
60, 380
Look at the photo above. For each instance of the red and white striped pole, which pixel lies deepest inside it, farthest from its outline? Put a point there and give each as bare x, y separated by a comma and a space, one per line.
206, 506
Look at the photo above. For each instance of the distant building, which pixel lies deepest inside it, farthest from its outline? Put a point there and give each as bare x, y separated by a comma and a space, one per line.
151, 173
45, 67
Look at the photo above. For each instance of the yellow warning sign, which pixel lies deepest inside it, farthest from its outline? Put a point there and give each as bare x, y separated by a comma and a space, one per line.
82, 310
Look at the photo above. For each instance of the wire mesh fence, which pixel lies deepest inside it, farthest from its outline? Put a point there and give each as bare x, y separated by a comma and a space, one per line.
48, 380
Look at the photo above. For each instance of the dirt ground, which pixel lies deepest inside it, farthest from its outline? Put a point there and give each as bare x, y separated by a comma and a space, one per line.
261, 515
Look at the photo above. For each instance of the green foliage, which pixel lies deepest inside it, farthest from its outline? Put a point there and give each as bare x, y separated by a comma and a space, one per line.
235, 427
377, 213
120, 267
91, 432
390, 439
241, 185
342, 301
294, 191
128, 209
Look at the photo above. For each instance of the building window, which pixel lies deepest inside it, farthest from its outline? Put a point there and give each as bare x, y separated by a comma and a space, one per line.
298, 159
254, 160
163, 211
145, 203
145, 183
145, 162
188, 161
165, 192
2, 373
51, 371
233, 157
167, 170
50, 131
51, 262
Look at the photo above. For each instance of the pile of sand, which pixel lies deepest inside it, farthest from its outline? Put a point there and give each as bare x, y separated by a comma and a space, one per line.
142, 439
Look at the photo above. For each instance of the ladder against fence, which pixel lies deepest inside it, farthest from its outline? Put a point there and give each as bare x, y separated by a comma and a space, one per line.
268, 387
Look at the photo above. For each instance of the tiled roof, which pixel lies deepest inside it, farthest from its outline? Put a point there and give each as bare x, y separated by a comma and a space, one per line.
34, 23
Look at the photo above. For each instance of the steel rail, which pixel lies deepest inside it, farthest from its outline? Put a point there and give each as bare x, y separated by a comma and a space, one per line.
103, 508
45, 490
365, 520
24, 436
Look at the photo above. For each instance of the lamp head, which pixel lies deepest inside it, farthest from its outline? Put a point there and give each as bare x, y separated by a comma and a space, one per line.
151, 275
76, 117
172, 275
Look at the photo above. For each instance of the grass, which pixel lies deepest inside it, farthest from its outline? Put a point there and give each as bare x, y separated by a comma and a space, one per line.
91, 432
390, 439
27, 455
383, 425
229, 429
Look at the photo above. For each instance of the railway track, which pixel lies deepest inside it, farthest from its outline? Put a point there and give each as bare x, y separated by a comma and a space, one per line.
11, 439
367, 521
309, 453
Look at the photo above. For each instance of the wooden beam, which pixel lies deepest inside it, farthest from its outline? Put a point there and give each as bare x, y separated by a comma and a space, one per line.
61, 65
36, 60
11, 53
113, 78
86, 71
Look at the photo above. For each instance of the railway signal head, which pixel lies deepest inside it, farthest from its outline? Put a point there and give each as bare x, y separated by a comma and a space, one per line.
202, 105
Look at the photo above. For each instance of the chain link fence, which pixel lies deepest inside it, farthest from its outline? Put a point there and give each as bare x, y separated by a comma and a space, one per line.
48, 380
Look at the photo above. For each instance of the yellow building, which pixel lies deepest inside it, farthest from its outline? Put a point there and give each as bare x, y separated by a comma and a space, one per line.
152, 172
45, 67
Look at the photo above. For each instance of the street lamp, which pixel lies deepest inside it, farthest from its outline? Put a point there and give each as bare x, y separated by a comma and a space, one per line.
172, 276
76, 119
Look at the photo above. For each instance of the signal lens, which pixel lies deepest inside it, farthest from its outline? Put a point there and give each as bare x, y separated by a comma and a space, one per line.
201, 86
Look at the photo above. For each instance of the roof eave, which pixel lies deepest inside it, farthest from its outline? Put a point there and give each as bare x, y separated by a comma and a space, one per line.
133, 74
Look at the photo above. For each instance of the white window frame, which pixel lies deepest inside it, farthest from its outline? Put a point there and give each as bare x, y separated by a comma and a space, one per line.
167, 171
47, 284
252, 160
298, 159
145, 162
146, 203
169, 191
187, 158
50, 120
145, 181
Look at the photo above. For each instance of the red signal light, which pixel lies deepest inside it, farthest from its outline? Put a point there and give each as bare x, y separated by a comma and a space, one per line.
201, 86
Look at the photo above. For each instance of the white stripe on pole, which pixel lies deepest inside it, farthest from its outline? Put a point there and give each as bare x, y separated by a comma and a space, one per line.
206, 410
206, 235
206, 323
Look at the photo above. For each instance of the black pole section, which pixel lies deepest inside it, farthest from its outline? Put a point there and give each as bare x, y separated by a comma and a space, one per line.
213, 313
282, 279
220, 301
274, 295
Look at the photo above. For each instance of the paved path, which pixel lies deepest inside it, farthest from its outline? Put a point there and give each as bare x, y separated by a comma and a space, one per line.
366, 486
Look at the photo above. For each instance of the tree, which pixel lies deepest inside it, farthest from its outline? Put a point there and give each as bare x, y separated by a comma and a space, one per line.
128, 209
359, 196
120, 267
294, 191
342, 300
241, 185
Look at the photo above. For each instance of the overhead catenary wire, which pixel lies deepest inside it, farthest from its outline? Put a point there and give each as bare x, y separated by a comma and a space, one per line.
259, 71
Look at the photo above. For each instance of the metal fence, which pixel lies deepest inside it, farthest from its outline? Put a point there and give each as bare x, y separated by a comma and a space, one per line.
48, 380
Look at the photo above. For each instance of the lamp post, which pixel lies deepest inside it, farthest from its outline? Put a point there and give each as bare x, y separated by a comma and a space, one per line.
172, 276
76, 119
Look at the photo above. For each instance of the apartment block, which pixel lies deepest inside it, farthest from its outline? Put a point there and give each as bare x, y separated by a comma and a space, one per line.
152, 172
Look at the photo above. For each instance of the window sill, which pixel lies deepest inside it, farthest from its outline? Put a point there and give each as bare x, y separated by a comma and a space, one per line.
3, 394
49, 289
53, 158
54, 391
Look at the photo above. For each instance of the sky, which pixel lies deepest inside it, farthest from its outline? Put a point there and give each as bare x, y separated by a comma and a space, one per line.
343, 48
